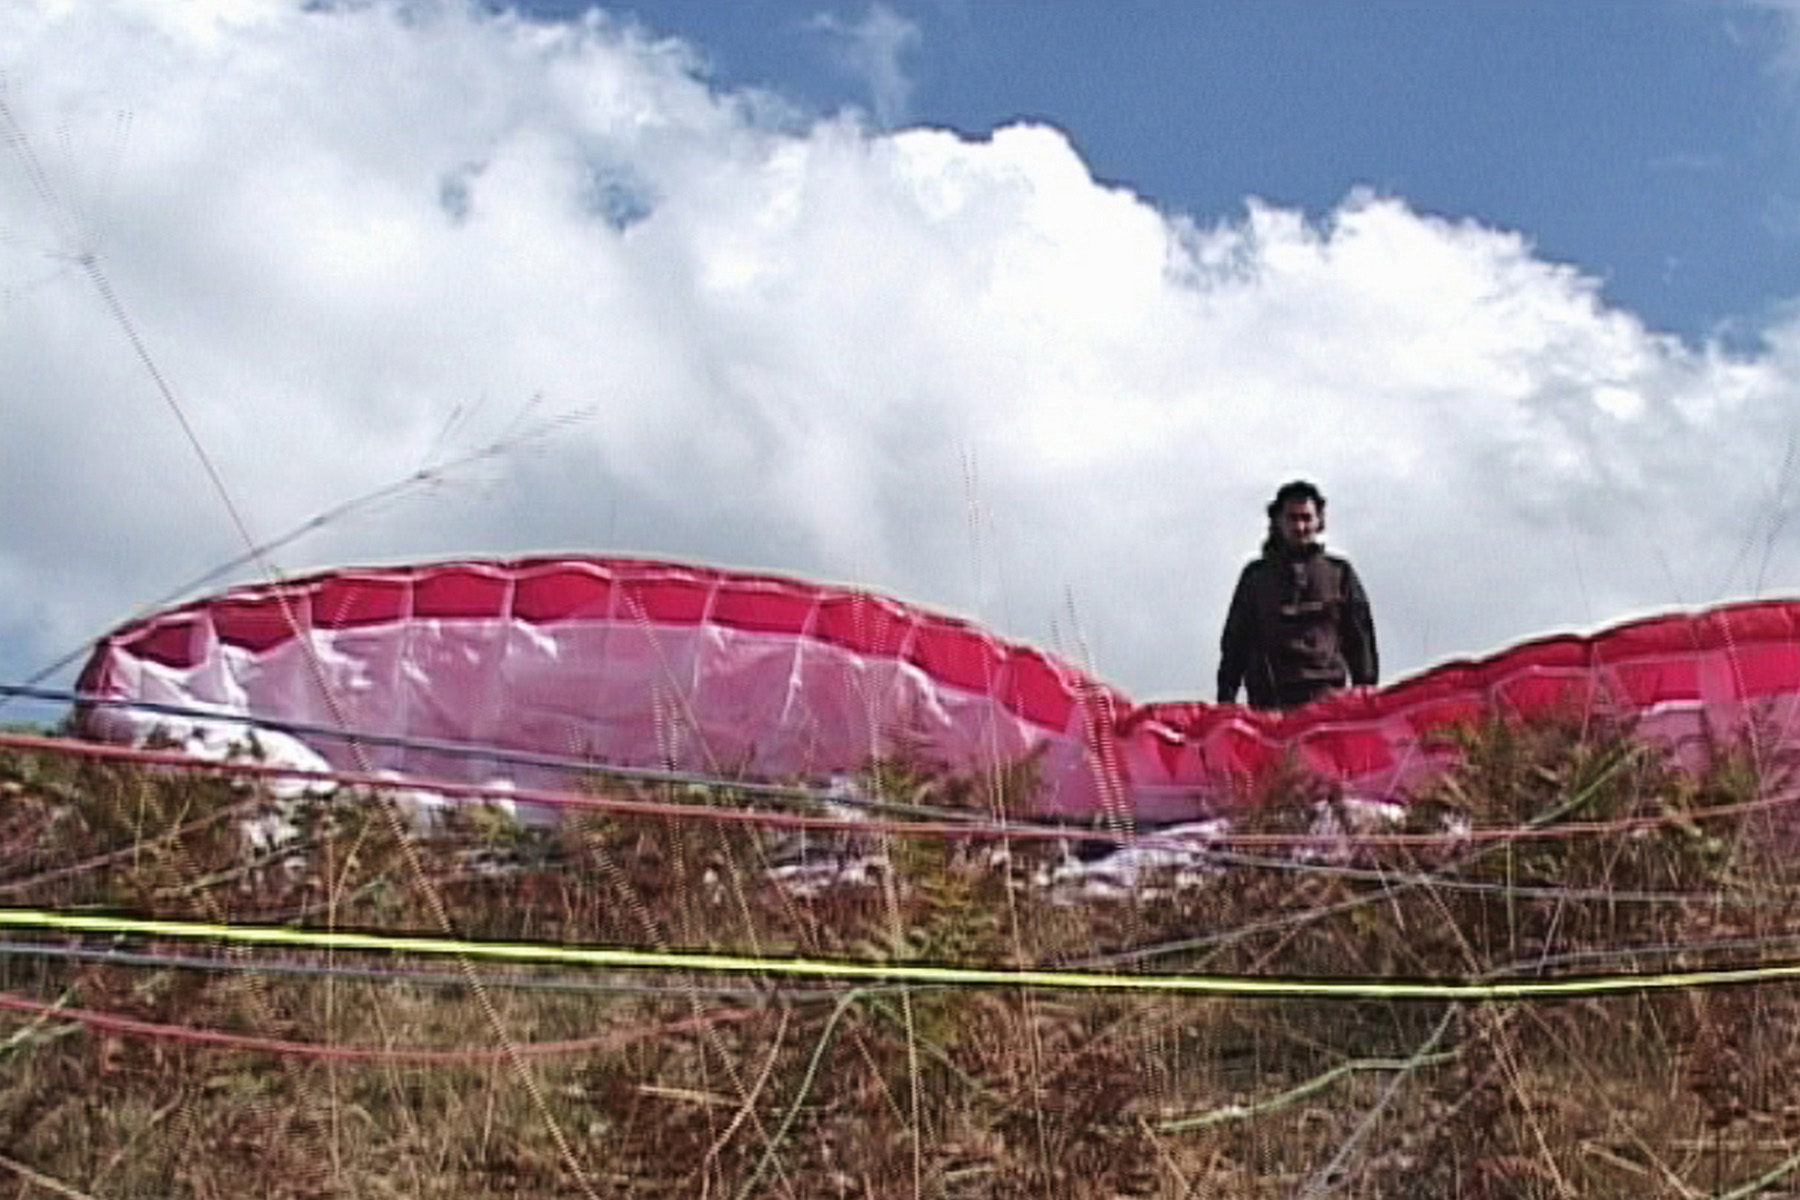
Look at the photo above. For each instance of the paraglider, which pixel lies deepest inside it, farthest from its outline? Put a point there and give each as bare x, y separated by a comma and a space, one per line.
447, 670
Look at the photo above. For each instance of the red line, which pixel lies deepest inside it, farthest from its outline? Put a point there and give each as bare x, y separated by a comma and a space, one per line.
776, 820
132, 1026
545, 796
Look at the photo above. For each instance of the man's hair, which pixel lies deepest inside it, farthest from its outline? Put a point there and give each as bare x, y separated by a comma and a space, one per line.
1298, 489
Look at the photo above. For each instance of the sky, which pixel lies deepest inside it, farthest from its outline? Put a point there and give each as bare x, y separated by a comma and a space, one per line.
1018, 311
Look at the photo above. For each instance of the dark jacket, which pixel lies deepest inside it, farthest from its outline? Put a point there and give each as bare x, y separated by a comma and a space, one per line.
1299, 627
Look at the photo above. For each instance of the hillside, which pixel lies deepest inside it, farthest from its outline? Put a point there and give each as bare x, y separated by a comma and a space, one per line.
139, 1065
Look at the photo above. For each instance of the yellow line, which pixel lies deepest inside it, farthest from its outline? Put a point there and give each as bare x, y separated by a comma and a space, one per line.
914, 973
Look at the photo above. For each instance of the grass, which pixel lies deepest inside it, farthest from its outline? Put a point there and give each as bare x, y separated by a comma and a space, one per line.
882, 1092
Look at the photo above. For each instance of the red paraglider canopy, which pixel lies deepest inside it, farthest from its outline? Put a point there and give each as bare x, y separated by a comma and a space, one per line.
641, 664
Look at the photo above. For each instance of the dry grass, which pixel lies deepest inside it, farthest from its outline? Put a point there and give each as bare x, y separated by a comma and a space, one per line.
921, 1092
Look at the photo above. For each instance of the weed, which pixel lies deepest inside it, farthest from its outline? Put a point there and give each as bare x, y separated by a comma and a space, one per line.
1627, 859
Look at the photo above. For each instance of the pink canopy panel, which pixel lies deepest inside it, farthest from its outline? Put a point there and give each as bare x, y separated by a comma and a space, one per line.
641, 664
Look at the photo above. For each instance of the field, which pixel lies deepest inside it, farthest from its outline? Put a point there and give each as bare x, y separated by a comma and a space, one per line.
150, 1065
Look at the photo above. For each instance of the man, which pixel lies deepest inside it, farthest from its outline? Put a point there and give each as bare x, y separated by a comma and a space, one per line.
1299, 626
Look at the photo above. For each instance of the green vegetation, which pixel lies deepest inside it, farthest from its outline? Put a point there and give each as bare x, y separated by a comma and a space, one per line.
1630, 865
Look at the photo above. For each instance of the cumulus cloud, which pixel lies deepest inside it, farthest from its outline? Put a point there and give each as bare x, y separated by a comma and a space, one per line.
359, 241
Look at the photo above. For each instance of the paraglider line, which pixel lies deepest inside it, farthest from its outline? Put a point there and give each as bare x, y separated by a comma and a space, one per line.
1480, 990
194, 1035
974, 826
239, 965
486, 751
260, 554
90, 262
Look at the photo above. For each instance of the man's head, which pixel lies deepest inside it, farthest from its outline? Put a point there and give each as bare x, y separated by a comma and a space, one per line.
1297, 514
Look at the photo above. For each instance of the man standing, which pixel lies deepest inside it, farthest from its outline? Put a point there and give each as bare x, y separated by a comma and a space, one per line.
1299, 626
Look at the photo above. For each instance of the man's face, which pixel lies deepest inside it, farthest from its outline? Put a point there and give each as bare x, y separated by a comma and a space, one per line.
1299, 523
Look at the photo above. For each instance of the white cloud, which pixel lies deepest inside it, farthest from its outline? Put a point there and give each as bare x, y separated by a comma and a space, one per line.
958, 370
873, 51
1785, 14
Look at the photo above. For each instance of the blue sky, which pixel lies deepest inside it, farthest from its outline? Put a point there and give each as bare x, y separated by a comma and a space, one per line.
1019, 311
1650, 142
